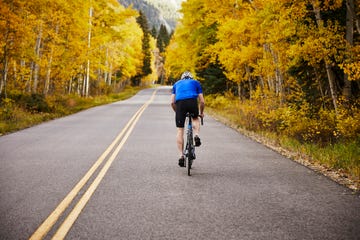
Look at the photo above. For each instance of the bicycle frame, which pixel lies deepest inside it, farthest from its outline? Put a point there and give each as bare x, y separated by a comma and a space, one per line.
189, 151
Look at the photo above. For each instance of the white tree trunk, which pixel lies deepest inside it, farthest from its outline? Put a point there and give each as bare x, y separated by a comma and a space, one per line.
48, 70
350, 5
3, 83
110, 75
36, 66
88, 62
329, 71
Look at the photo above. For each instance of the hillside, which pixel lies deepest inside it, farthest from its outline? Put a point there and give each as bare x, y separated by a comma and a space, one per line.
157, 11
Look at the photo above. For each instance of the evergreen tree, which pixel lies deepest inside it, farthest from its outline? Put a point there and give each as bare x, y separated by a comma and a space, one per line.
163, 38
146, 67
154, 32
215, 80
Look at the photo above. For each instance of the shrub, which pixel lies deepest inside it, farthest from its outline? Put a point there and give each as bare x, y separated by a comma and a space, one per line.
36, 103
299, 120
7, 109
348, 121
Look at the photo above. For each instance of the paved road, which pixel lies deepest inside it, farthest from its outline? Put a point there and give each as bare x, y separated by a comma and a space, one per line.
239, 189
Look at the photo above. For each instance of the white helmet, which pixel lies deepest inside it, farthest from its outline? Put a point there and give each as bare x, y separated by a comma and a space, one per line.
186, 75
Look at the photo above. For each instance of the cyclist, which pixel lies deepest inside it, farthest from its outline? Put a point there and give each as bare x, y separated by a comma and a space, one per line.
184, 98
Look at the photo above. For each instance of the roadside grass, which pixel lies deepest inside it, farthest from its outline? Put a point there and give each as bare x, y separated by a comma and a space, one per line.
342, 158
17, 113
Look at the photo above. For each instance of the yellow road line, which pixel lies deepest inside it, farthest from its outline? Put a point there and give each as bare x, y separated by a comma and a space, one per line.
45, 227
69, 221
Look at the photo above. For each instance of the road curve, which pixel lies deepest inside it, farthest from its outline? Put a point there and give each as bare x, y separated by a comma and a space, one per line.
239, 189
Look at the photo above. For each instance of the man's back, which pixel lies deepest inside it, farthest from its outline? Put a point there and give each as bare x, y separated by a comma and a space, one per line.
186, 89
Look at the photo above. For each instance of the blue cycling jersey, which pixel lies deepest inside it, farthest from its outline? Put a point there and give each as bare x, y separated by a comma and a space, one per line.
186, 89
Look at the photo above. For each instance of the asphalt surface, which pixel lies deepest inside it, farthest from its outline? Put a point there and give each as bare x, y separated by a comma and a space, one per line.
239, 189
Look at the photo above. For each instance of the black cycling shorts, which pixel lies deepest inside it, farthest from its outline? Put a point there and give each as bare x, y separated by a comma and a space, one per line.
184, 106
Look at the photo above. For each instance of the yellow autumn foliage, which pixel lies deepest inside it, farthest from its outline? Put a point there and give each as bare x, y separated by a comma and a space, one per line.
49, 47
286, 62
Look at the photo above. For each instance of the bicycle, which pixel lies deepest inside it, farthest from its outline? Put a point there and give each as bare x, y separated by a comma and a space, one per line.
189, 151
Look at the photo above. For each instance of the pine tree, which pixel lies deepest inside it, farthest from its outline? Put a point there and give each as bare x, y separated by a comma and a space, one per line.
163, 38
146, 67
154, 32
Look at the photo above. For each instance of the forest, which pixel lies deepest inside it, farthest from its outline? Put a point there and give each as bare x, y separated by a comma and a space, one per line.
62, 47
287, 68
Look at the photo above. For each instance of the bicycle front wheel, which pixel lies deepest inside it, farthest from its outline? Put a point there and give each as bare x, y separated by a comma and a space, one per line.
190, 152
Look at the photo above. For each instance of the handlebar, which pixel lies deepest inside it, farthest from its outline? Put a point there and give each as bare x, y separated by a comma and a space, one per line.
202, 120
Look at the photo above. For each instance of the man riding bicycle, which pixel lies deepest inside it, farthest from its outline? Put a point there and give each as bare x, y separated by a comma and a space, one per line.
184, 98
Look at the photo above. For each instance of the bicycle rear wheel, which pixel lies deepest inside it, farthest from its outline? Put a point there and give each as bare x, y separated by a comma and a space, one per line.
189, 163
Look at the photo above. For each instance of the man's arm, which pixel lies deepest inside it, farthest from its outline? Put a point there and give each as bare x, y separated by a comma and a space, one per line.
173, 102
202, 104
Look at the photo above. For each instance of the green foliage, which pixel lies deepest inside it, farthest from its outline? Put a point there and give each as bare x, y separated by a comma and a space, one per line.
213, 79
342, 156
146, 64
35, 102
163, 39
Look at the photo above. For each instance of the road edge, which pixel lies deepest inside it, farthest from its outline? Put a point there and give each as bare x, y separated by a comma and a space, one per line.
335, 175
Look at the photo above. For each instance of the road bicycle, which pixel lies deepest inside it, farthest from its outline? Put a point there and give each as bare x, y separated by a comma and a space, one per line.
189, 151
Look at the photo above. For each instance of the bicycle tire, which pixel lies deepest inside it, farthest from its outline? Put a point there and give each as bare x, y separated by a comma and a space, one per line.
189, 166
190, 146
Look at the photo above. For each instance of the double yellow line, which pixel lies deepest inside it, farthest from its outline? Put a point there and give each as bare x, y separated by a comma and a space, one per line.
46, 226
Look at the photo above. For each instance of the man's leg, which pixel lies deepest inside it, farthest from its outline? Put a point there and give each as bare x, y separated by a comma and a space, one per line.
196, 126
180, 141
196, 129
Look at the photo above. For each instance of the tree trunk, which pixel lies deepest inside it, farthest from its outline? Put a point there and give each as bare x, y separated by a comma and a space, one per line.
70, 85
110, 75
78, 87
106, 69
29, 81
48, 73
36, 66
329, 71
247, 69
350, 40
3, 85
15, 77
239, 91
5, 60
320, 87
87, 82
279, 77
350, 7
279, 85
48, 70
272, 82
85, 89
331, 77
22, 66
48, 76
